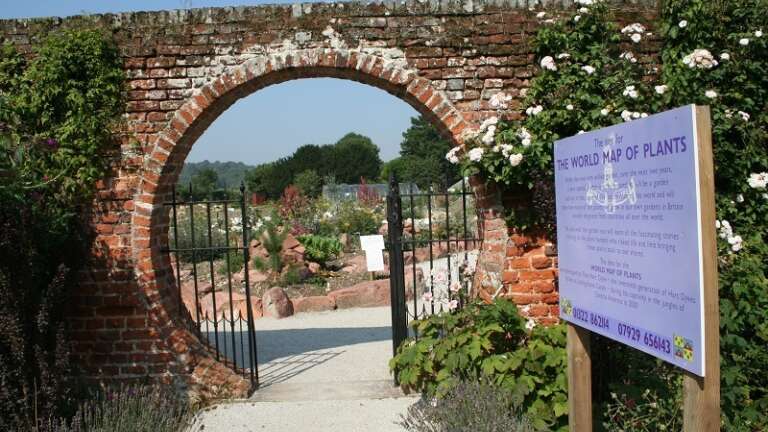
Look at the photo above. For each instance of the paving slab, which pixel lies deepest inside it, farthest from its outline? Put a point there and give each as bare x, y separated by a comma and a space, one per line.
319, 371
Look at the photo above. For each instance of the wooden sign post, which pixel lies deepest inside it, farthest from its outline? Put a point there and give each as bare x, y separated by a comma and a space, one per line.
701, 395
638, 253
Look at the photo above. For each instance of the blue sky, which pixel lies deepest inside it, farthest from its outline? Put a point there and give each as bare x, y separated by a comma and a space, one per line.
274, 121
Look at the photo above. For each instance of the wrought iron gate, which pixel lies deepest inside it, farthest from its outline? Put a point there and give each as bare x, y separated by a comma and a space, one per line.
210, 259
431, 257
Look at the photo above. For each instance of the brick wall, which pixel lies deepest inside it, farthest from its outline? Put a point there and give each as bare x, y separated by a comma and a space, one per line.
184, 68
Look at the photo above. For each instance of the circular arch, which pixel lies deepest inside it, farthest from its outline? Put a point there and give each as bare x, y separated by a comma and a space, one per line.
166, 155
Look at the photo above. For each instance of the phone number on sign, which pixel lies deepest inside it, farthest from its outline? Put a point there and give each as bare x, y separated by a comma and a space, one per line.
648, 339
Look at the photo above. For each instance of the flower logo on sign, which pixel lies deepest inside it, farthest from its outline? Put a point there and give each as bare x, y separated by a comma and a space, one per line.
611, 195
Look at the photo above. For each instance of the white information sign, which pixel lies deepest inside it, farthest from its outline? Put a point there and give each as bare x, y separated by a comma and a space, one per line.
373, 245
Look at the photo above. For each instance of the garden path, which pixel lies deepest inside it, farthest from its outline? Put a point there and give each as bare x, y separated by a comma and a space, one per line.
321, 371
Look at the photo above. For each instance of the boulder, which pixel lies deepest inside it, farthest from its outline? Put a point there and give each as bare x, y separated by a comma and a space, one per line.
254, 276
355, 264
364, 294
313, 267
241, 308
313, 304
344, 240
290, 242
276, 303
206, 304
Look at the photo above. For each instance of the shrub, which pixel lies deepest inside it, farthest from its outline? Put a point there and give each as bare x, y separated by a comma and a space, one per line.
471, 406
309, 183
57, 112
272, 235
129, 409
714, 53
321, 249
351, 218
494, 342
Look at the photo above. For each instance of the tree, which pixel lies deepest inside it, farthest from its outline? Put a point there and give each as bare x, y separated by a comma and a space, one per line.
355, 156
396, 166
309, 183
204, 184
423, 152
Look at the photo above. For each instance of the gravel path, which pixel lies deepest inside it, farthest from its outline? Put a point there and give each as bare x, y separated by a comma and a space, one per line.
324, 371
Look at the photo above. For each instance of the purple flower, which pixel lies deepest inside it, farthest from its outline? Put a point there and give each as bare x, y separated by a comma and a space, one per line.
52, 144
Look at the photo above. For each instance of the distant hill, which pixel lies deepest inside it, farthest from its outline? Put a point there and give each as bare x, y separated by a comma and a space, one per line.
230, 173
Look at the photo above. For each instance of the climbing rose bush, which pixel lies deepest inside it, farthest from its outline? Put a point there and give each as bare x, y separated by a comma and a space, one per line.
594, 74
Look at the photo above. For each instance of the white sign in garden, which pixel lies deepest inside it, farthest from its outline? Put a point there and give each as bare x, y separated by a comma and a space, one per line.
373, 245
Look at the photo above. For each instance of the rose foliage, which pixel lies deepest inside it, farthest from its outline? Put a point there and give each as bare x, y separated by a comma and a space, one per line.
595, 74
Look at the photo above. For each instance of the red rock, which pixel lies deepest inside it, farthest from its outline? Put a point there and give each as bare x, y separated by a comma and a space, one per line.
355, 264
313, 267
290, 242
364, 294
276, 303
241, 308
206, 304
313, 304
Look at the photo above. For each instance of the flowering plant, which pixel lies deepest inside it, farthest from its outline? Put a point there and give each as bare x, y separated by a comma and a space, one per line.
489, 341
595, 74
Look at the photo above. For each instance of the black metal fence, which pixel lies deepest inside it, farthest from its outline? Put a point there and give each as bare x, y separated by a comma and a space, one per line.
434, 239
209, 242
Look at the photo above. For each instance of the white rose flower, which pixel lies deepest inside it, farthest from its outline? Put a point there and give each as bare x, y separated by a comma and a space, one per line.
758, 180
515, 159
740, 198
452, 155
525, 142
682, 24
725, 56
489, 136
576, 18
744, 41
636, 115
530, 324
563, 55
476, 154
588, 69
532, 111
744, 116
630, 91
710, 94
628, 56
604, 111
736, 243
758, 33
643, 115
540, 14
636, 38
583, 10
633, 28
492, 121
580, 132
661, 89
548, 63
626, 115
700, 58
569, 107
500, 100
